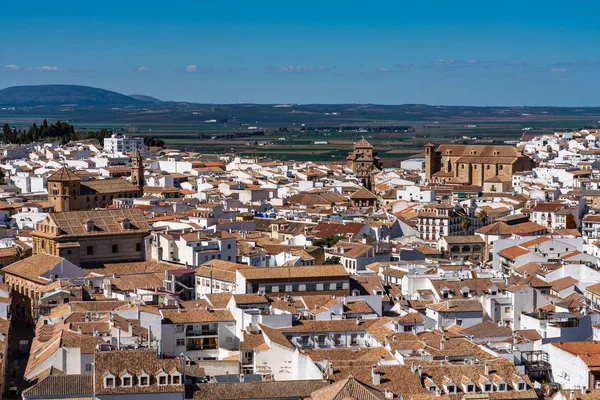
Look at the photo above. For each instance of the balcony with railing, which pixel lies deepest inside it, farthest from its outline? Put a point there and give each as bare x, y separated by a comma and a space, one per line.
202, 344
196, 332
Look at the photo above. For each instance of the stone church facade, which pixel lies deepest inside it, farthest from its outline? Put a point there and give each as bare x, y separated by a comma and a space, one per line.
67, 192
473, 164
363, 161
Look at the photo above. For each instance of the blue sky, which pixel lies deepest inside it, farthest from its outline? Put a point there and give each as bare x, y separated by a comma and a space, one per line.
390, 52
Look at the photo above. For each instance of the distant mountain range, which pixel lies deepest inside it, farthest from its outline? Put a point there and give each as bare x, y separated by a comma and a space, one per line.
148, 99
88, 104
54, 95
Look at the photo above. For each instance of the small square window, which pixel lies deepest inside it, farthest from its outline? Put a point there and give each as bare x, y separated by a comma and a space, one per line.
176, 379
162, 380
115, 248
138, 247
90, 250
144, 381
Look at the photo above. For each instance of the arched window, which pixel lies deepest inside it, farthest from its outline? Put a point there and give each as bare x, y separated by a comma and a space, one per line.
55, 192
466, 248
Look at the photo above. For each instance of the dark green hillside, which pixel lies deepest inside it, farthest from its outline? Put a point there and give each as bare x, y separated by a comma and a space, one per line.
48, 95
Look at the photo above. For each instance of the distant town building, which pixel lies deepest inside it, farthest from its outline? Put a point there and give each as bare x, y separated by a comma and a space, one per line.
67, 192
118, 143
363, 161
474, 164
93, 236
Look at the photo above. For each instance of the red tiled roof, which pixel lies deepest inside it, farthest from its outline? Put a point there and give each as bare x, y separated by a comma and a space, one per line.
513, 252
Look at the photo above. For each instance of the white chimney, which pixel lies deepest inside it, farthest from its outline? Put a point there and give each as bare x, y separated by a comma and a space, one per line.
376, 376
486, 369
89, 225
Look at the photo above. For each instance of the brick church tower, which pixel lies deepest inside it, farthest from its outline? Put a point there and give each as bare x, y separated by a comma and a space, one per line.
137, 172
363, 161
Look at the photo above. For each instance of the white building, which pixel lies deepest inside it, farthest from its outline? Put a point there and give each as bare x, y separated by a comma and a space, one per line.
193, 248
413, 164
118, 143
415, 194
197, 332
464, 313
573, 364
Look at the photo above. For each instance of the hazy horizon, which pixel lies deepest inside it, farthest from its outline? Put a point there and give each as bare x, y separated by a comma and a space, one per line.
436, 53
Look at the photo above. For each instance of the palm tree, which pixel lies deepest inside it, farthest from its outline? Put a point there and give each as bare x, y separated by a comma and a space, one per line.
482, 217
21, 253
466, 223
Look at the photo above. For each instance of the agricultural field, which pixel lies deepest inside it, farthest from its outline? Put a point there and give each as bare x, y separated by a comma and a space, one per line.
314, 132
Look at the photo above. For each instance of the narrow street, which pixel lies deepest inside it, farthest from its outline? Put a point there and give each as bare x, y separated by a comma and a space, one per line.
17, 362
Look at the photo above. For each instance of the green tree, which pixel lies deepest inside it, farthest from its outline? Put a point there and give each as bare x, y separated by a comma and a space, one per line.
465, 222
21, 253
6, 130
333, 260
149, 141
59, 131
482, 217
327, 241
100, 135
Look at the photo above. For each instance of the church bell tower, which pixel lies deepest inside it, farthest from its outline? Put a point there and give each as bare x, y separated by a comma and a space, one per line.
137, 172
